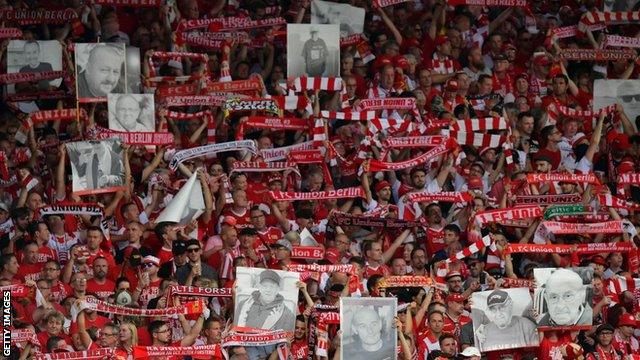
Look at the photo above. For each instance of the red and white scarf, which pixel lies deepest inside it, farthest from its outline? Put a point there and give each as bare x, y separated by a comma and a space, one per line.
187, 154
608, 227
515, 213
30, 16
562, 177
243, 23
445, 196
347, 193
348, 115
196, 352
317, 83
481, 124
622, 41
10, 33
259, 166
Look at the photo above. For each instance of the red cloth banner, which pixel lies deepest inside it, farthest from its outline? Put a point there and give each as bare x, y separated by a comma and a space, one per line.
24, 335
390, 103
478, 139
413, 141
616, 202
95, 354
610, 18
562, 177
629, 179
259, 166
27, 77
308, 252
377, 165
277, 123
59, 114
239, 23
252, 84
406, 281
592, 248
352, 39
310, 156
136, 138
130, 3
509, 3
183, 155
17, 291
622, 41
196, 352
346, 193
548, 199
194, 100
261, 338
281, 153
608, 227
29, 17
200, 291
441, 196
38, 95
349, 269
10, 33
597, 54
515, 213
385, 3
516, 283
194, 307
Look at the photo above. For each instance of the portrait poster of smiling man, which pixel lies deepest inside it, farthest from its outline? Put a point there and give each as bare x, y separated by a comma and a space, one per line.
368, 328
100, 70
502, 319
266, 299
131, 112
34, 57
561, 298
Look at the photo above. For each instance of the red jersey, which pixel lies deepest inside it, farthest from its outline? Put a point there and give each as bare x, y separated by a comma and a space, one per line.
435, 240
30, 271
59, 291
300, 349
243, 219
550, 350
150, 292
379, 270
102, 291
268, 236
453, 327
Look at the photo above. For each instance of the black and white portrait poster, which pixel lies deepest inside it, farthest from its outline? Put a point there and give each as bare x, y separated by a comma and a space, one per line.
33, 57
621, 5
626, 92
313, 50
131, 112
368, 328
100, 70
350, 18
266, 299
96, 166
560, 297
133, 70
502, 319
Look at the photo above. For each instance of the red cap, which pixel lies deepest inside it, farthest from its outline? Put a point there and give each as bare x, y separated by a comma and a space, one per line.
541, 60
332, 255
441, 39
272, 178
229, 220
452, 85
621, 142
401, 62
484, 150
381, 185
625, 167
455, 297
598, 259
627, 320
381, 62
475, 183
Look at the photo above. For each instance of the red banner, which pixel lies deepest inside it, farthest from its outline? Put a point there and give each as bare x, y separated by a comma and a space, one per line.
509, 3
592, 248
194, 100
28, 17
406, 281
27, 77
597, 54
562, 177
238, 23
515, 213
347, 193
444, 196
350, 269
200, 291
194, 307
196, 352
308, 252
377, 165
608, 227
10, 33
136, 138
548, 199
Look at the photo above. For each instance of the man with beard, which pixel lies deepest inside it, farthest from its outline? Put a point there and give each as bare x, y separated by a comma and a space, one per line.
565, 295
101, 75
161, 332
382, 191
475, 64
604, 345
99, 284
476, 273
265, 307
300, 344
419, 262
504, 327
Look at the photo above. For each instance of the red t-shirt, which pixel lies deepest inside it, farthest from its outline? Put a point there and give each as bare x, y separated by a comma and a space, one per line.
30, 271
300, 349
102, 291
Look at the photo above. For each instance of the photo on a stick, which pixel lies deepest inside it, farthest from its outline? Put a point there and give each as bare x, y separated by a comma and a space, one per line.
266, 299
100, 70
34, 57
502, 319
96, 166
313, 50
131, 112
560, 297
368, 328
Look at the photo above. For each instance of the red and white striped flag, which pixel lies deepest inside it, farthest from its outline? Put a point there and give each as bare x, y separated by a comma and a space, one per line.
481, 124
318, 132
478, 139
387, 125
317, 83
348, 115
471, 249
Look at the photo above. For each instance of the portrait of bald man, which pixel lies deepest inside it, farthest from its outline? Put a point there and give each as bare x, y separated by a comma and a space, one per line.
562, 297
100, 69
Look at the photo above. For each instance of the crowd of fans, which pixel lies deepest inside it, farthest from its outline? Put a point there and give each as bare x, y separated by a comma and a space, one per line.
449, 59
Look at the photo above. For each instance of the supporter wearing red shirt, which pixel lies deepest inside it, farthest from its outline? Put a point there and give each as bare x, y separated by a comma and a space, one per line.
300, 344
239, 210
51, 273
435, 229
161, 333
10, 268
53, 327
624, 340
30, 268
99, 284
550, 137
39, 232
375, 260
94, 243
604, 344
149, 281
167, 233
454, 317
222, 260
267, 234
428, 338
551, 344
282, 256
561, 95
91, 320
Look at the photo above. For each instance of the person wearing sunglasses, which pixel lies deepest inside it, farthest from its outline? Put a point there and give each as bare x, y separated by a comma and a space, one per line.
149, 282
195, 267
629, 95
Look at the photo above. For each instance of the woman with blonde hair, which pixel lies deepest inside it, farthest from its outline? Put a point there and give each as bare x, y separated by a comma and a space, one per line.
128, 339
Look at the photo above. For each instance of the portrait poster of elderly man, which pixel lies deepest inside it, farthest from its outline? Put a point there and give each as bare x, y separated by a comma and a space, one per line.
502, 319
560, 297
266, 299
368, 328
623, 92
100, 70
96, 166
34, 57
131, 112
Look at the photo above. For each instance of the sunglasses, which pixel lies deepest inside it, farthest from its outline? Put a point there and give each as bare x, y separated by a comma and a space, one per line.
147, 265
628, 98
193, 250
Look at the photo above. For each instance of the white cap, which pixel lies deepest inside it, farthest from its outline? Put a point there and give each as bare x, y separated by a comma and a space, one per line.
470, 351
